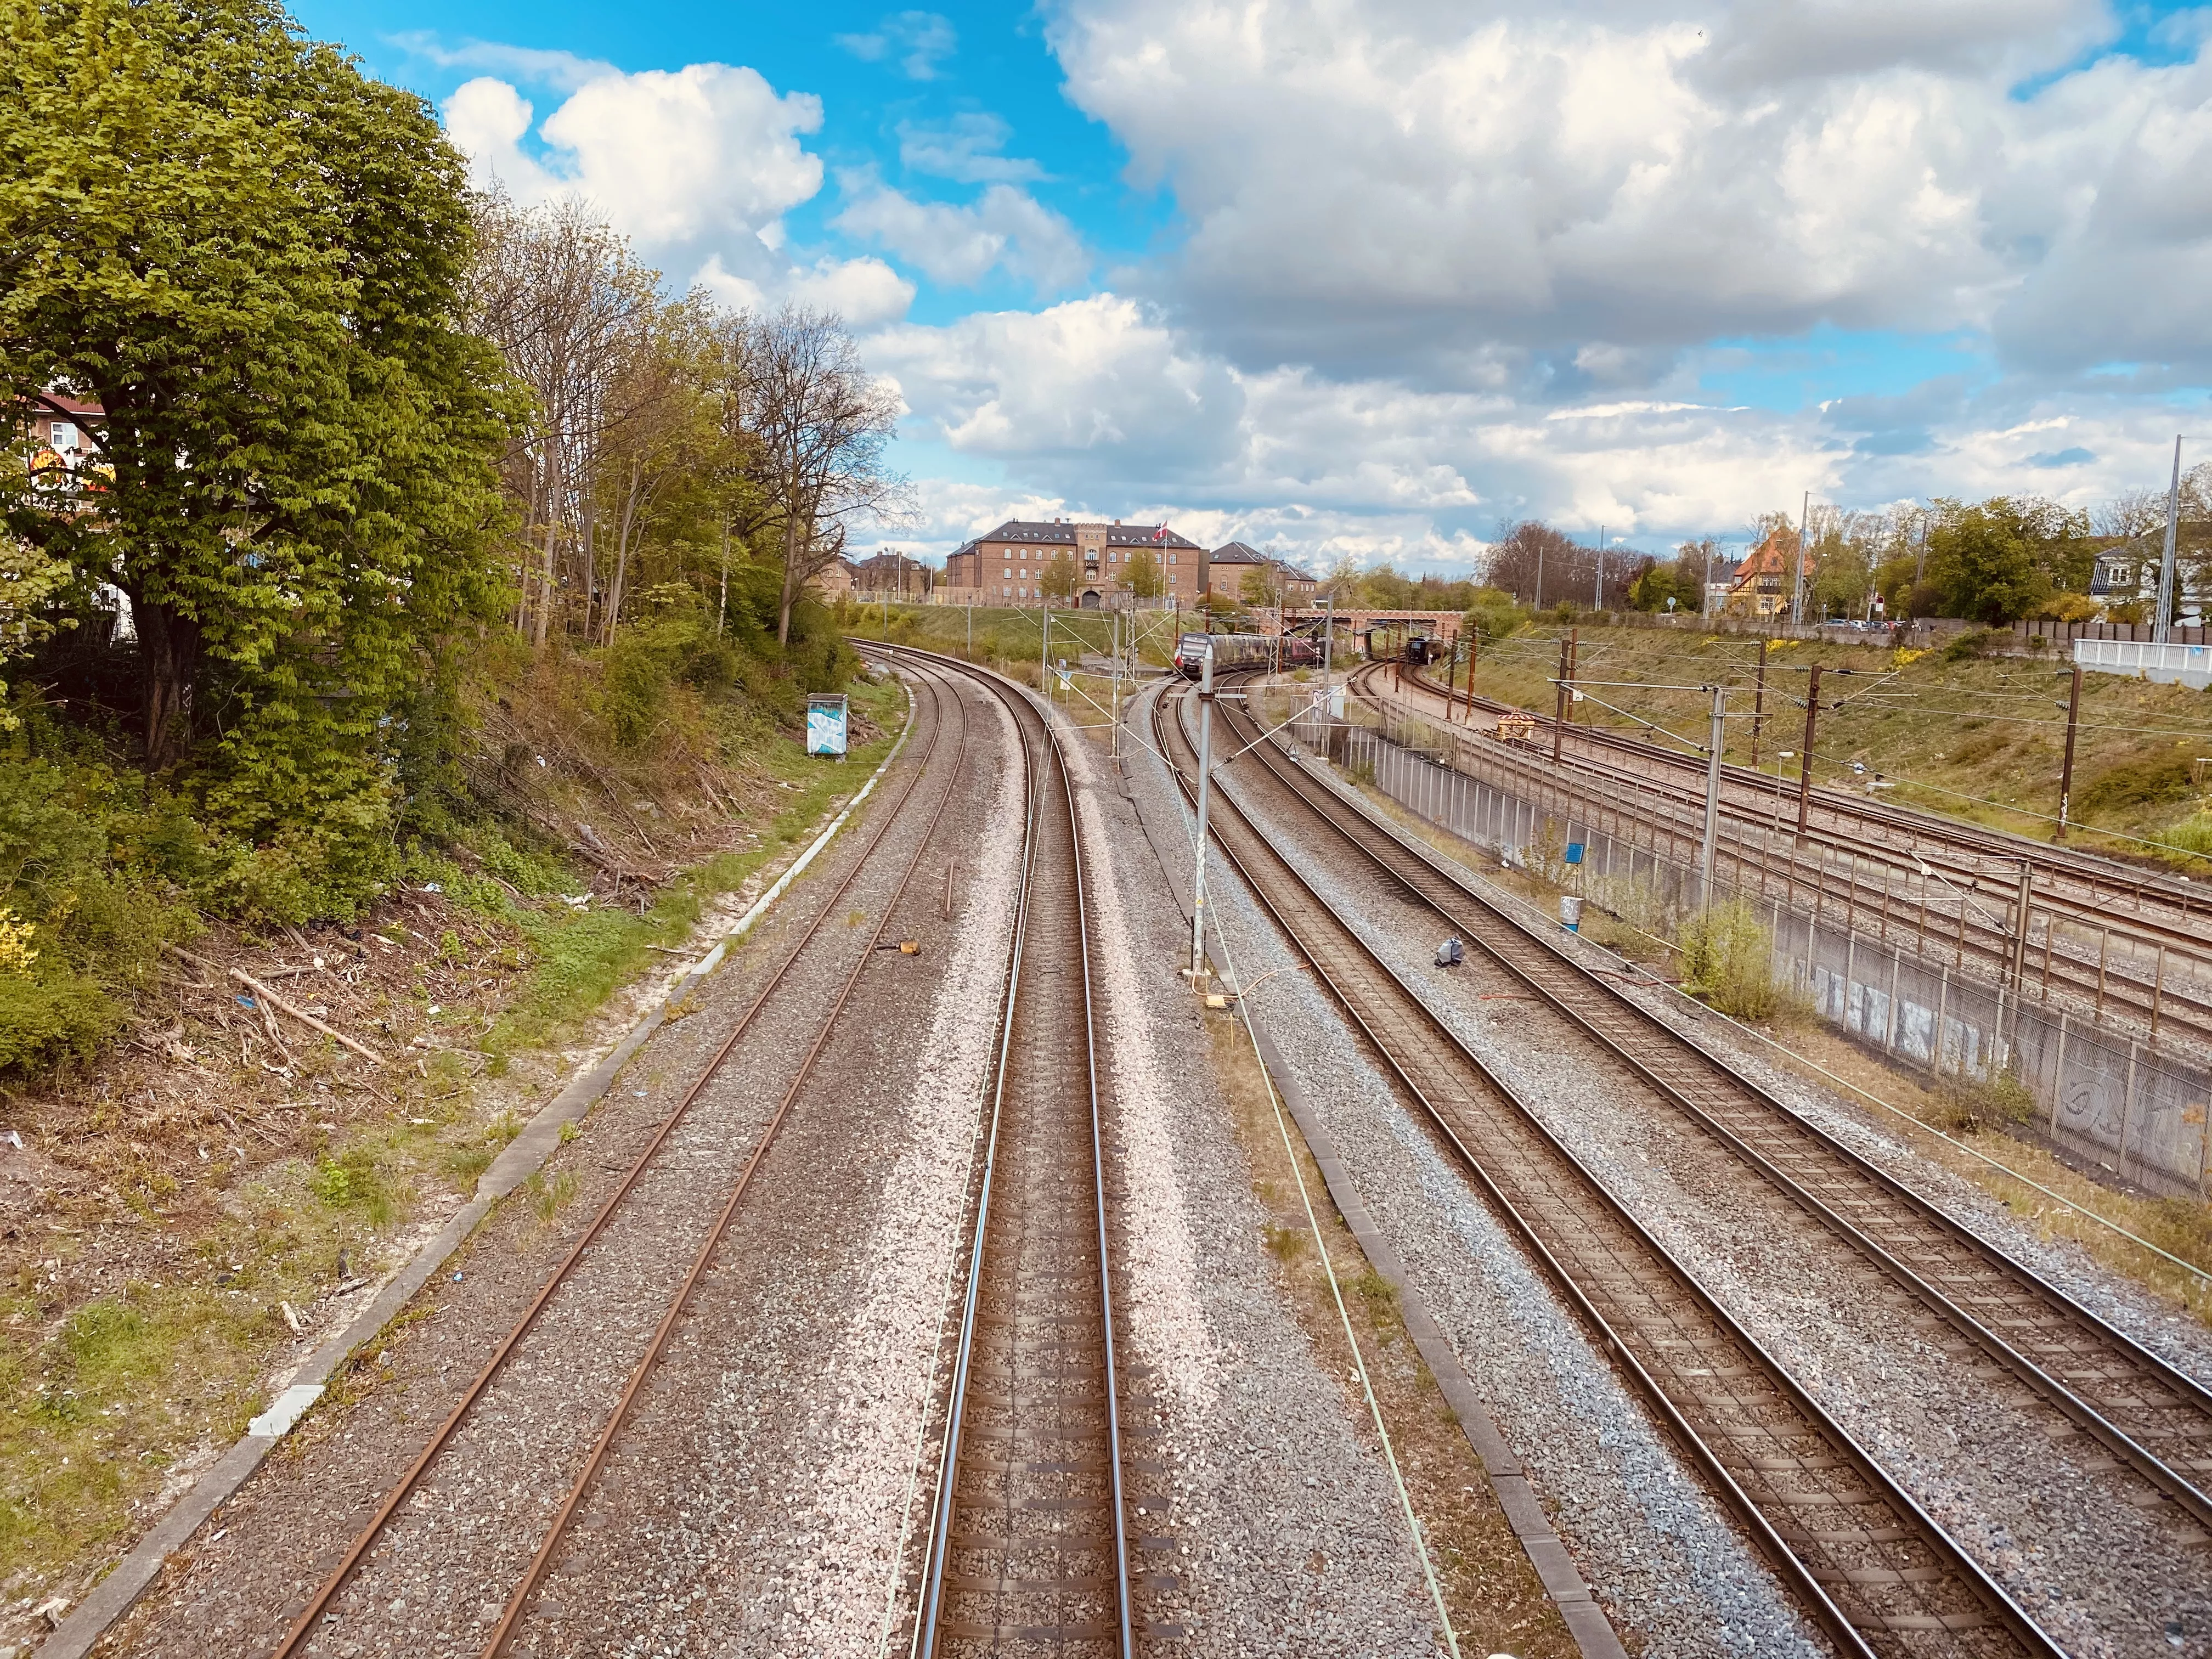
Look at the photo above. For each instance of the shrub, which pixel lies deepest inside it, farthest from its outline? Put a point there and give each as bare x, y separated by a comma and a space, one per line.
1973, 643
1964, 1105
2135, 783
1728, 960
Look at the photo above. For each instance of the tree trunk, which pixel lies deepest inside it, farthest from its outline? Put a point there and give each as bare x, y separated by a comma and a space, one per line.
790, 567
169, 647
591, 574
544, 624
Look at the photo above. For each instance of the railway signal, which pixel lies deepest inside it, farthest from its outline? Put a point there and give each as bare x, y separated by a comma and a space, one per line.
1205, 791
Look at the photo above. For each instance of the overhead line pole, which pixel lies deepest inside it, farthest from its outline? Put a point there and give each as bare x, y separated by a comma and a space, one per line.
1805, 761
1712, 799
2161, 627
1205, 790
1758, 706
2066, 767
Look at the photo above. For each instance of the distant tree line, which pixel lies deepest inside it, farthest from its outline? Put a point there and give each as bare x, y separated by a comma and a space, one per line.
1992, 562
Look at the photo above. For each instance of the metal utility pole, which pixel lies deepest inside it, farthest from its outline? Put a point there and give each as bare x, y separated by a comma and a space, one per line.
1797, 571
1473, 651
1758, 706
1327, 655
971, 626
2066, 767
1712, 800
2161, 627
1539, 605
1044, 648
1805, 761
1205, 790
1597, 601
1566, 680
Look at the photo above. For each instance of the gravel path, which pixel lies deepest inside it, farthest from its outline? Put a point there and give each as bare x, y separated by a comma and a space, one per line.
1659, 1554
1288, 1530
2034, 1501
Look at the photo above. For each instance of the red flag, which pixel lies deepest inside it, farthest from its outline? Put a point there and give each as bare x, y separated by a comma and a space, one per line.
1161, 534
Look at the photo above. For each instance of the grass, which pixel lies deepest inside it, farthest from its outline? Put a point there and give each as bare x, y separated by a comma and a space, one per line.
1008, 639
97, 1404
1980, 737
582, 957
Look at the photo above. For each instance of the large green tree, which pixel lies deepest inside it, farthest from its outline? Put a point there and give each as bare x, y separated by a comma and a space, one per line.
249, 254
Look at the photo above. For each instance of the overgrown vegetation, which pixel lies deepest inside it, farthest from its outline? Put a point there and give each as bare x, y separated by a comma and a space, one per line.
456, 521
1727, 959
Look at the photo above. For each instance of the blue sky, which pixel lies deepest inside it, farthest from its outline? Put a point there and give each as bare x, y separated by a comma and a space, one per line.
1367, 281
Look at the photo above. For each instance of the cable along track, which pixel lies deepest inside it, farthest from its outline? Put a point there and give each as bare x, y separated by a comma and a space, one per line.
1865, 1562
2146, 1413
1028, 1551
319, 1624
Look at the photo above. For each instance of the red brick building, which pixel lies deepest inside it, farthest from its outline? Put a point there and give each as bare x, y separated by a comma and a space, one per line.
1007, 566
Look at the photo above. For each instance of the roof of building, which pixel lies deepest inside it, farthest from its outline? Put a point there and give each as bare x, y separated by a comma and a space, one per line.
1063, 532
1768, 559
1238, 553
1292, 573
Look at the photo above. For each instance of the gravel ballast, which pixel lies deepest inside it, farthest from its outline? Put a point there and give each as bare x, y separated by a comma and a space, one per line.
1288, 1536
2035, 1502
1662, 1558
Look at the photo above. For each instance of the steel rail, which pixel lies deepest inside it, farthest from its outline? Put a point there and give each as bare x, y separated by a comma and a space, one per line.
1046, 763
1751, 1411
1981, 940
305, 1625
2104, 1382
711, 1245
2102, 876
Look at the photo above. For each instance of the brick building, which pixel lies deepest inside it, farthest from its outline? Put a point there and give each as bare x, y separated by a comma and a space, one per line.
1226, 566
1007, 566
900, 574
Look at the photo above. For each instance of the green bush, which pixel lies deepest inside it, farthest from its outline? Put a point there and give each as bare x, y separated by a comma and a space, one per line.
2137, 783
1727, 959
1966, 1105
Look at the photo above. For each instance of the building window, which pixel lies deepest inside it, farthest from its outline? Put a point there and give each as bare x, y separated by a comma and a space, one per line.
1170, 558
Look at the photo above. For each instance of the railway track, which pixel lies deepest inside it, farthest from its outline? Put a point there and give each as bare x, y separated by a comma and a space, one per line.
1028, 1549
1864, 1561
2150, 1417
334, 1613
1972, 902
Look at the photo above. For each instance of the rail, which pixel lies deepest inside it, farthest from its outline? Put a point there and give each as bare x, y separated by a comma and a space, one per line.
1866, 1562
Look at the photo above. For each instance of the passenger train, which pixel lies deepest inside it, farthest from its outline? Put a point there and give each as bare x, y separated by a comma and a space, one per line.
1243, 651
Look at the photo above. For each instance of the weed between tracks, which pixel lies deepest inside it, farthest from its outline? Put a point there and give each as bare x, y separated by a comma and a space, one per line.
1496, 1603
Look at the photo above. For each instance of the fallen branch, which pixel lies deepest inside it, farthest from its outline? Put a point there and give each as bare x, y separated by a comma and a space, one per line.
269, 996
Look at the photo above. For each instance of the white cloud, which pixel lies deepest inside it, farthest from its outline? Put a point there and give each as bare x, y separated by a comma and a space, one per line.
865, 292
1423, 189
1005, 229
966, 149
698, 167
562, 70
921, 40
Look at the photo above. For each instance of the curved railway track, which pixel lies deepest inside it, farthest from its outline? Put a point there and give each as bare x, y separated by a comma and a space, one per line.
344, 1581
1028, 1549
2105, 880
2147, 1414
1749, 801
1865, 1562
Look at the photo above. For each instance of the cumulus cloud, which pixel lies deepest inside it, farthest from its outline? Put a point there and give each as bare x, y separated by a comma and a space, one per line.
698, 167
1005, 229
1418, 189
920, 41
864, 292
965, 149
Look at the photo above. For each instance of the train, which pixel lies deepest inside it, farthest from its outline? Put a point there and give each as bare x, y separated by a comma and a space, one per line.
1243, 651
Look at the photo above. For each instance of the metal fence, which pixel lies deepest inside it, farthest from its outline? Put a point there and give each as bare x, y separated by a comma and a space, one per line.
2112, 1099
